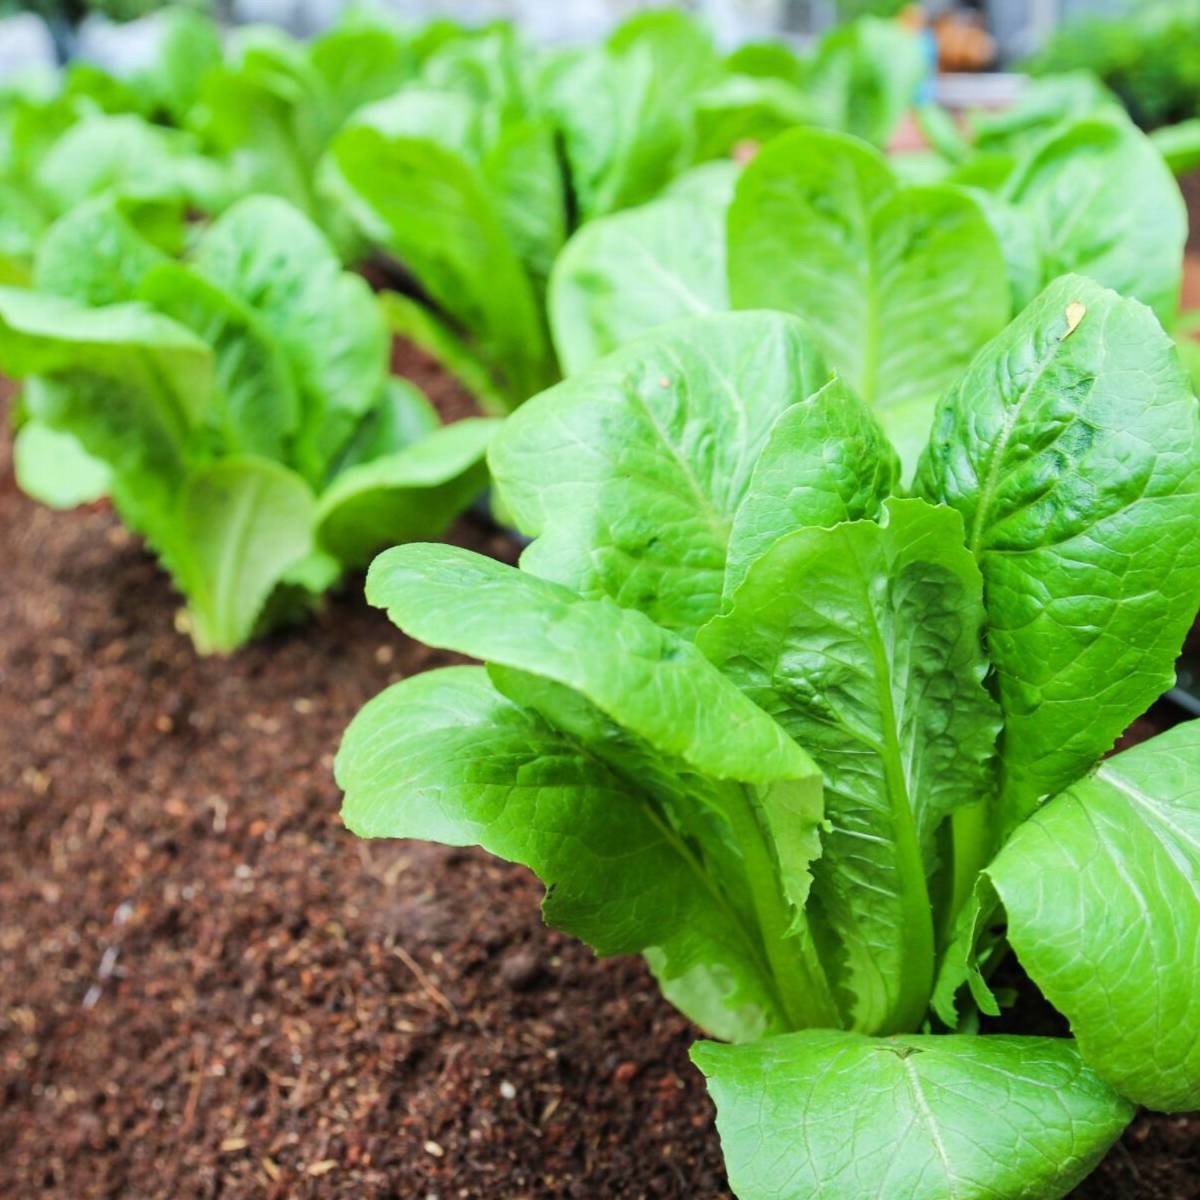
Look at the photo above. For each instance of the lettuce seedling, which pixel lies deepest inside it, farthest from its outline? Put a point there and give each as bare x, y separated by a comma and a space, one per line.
236, 406
821, 748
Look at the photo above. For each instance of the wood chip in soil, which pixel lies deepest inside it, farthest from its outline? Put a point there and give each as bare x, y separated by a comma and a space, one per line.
209, 989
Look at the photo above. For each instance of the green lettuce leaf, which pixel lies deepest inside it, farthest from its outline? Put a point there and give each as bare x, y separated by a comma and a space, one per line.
522, 166
432, 208
94, 255
256, 406
629, 475
128, 157
839, 1115
617, 875
402, 415
443, 595
130, 385
242, 523
649, 705
269, 256
744, 110
413, 493
626, 273
1179, 144
55, 469
825, 461
768, 60
360, 64
864, 77
265, 113
900, 284
190, 46
1017, 235
1044, 107
1105, 205
485, 65
23, 221
1102, 890
625, 109
1072, 449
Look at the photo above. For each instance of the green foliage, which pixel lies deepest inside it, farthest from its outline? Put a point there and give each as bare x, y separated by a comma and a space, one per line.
461, 158
1044, 106
724, 571
900, 282
864, 76
418, 169
55, 469
472, 177
1104, 203
235, 405
1147, 56
1039, 471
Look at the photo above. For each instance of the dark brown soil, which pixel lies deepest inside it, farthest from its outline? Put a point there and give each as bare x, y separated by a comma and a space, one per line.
452, 401
209, 989
1189, 184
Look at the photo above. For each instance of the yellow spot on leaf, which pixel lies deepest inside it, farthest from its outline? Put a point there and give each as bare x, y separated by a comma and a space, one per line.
1075, 314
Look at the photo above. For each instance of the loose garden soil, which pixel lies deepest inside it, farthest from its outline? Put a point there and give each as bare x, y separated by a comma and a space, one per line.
209, 989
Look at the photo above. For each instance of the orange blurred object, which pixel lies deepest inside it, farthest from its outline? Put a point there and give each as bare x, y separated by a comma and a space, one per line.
963, 42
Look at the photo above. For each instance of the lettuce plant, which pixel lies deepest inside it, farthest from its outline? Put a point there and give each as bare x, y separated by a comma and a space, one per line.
822, 749
270, 107
202, 125
236, 406
459, 181
1064, 172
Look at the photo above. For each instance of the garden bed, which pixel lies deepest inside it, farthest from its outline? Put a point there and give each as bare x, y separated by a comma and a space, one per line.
208, 988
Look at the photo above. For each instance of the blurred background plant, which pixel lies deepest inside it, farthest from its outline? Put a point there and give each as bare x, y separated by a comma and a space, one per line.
1149, 56
71, 12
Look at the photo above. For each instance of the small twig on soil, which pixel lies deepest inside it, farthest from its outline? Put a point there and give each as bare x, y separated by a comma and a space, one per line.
431, 989
193, 1100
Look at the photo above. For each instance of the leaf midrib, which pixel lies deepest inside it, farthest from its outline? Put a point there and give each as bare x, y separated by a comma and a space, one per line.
913, 987
921, 1103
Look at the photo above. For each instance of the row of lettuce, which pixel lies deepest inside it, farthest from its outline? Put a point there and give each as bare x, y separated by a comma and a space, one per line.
175, 251
832, 610
179, 254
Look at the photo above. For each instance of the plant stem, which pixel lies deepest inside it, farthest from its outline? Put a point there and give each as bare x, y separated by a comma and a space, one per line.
803, 989
971, 838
